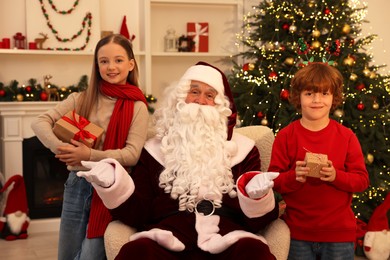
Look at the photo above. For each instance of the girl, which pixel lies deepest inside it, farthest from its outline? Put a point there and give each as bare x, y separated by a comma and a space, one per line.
114, 102
318, 212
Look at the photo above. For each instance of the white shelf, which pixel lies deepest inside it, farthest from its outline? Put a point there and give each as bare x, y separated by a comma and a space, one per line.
203, 2
48, 52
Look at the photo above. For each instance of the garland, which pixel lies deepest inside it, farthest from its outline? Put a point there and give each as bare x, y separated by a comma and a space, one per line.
63, 12
86, 21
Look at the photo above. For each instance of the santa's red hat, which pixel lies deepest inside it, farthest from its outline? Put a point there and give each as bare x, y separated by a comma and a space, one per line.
16, 199
214, 77
379, 220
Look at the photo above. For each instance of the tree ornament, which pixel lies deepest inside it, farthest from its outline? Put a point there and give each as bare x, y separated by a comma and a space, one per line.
353, 77
367, 72
346, 29
361, 86
315, 44
327, 11
370, 158
28, 89
43, 96
284, 94
269, 46
316, 33
245, 67
375, 105
260, 114
2, 93
251, 66
289, 61
286, 26
372, 75
349, 61
338, 113
273, 75
292, 28
360, 106
19, 97
264, 121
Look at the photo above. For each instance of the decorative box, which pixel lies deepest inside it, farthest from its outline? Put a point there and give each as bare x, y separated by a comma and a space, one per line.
199, 32
73, 126
315, 161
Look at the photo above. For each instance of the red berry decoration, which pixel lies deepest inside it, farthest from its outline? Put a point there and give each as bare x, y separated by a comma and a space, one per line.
2, 92
28, 89
43, 96
360, 106
284, 94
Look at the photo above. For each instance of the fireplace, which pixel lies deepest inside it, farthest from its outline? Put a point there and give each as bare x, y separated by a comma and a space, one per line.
44, 177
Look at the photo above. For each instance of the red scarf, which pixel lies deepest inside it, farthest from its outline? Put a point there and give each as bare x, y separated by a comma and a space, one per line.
116, 136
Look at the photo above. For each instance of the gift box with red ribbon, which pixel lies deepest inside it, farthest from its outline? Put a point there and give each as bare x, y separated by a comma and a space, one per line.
73, 126
315, 161
199, 32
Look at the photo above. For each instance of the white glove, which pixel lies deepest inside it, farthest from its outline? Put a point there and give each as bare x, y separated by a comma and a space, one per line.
102, 173
260, 184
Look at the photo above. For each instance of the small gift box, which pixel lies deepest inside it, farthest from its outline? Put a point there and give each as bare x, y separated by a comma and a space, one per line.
73, 126
315, 161
199, 32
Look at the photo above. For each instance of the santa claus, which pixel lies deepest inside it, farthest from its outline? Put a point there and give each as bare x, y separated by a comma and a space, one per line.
196, 192
14, 221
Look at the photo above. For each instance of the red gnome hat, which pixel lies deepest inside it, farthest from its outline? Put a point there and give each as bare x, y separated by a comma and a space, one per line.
124, 31
381, 216
16, 199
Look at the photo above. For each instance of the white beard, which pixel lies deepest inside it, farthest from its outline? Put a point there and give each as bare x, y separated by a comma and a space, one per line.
16, 221
197, 163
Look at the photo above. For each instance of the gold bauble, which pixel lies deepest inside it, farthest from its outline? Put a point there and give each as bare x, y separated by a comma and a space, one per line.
251, 66
289, 61
338, 112
316, 44
349, 61
370, 158
19, 97
372, 75
366, 72
346, 29
292, 28
353, 77
264, 121
375, 105
316, 33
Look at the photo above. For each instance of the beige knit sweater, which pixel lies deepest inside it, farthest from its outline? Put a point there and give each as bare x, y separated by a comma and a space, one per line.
101, 113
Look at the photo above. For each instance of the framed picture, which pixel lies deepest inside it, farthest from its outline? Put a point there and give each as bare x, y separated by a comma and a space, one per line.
186, 44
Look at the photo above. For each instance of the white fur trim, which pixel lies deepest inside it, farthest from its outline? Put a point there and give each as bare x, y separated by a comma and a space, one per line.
207, 75
244, 145
120, 191
254, 208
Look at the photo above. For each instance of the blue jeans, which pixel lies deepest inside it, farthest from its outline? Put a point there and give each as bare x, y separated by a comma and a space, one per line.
73, 244
305, 250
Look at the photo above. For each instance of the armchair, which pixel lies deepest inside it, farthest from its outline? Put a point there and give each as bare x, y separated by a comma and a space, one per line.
277, 233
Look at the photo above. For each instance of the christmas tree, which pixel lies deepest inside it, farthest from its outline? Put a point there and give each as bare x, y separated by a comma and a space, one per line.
278, 38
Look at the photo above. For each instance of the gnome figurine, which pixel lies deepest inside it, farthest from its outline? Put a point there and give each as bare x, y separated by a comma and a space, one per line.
14, 221
377, 239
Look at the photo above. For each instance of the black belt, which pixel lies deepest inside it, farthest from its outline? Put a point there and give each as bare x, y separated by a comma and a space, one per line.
207, 208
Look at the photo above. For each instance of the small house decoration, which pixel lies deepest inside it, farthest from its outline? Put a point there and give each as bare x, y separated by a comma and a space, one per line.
170, 41
19, 41
199, 33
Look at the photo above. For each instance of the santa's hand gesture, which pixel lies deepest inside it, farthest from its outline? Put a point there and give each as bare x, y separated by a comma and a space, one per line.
260, 184
101, 173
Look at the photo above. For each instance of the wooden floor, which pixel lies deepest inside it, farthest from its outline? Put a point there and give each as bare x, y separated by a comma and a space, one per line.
38, 246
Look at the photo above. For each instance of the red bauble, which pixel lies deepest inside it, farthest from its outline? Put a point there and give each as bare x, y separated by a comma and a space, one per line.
260, 114
285, 26
360, 106
360, 87
28, 89
43, 96
284, 94
2, 92
273, 75
245, 67
327, 11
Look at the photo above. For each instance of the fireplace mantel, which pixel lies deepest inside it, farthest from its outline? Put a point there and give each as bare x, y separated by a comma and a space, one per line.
15, 121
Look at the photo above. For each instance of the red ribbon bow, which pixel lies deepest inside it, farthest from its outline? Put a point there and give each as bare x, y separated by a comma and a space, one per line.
83, 122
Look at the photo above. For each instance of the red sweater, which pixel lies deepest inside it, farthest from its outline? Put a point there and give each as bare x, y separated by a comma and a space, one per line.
316, 210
